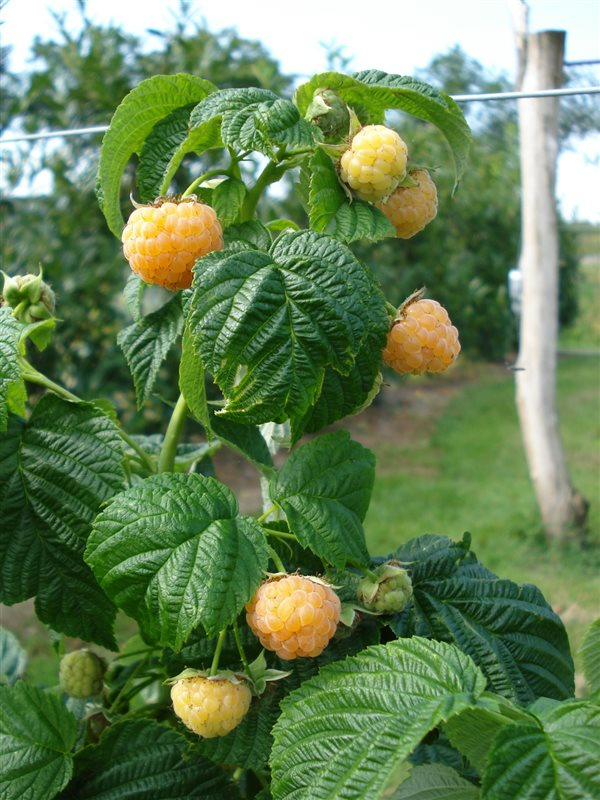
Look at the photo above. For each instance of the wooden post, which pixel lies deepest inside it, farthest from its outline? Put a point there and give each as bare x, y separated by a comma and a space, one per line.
561, 506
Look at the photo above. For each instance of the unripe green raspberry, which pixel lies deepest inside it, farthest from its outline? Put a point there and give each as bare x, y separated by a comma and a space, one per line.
374, 163
81, 673
32, 298
210, 706
411, 208
388, 591
328, 111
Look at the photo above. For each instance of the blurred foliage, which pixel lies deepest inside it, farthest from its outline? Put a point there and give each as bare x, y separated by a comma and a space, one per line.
78, 78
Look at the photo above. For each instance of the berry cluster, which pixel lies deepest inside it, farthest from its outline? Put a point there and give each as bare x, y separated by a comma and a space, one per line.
210, 706
81, 674
162, 242
374, 163
411, 208
294, 616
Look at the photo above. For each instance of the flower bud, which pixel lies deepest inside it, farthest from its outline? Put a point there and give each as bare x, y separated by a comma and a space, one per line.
387, 591
328, 111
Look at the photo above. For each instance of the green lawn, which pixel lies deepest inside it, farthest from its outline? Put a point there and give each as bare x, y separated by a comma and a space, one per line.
466, 471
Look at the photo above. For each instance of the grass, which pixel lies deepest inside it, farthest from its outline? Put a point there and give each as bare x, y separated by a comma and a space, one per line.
466, 470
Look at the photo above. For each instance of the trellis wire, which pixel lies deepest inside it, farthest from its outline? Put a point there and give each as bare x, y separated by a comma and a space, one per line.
459, 98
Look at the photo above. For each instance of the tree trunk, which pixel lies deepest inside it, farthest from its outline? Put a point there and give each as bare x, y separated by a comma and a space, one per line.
561, 506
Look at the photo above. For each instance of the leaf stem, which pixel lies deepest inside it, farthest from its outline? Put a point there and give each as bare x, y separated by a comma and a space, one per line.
214, 667
31, 375
280, 534
276, 560
127, 684
241, 651
166, 460
266, 514
211, 173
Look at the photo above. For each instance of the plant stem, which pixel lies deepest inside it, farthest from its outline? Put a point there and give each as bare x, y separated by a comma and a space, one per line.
211, 173
166, 460
241, 651
280, 534
271, 173
214, 667
127, 684
264, 516
392, 310
276, 560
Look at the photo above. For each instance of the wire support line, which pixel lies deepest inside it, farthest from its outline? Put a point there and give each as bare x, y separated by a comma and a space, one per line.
459, 98
581, 63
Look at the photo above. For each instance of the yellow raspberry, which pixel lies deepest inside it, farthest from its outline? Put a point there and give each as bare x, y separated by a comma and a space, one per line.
163, 241
294, 616
411, 208
374, 163
210, 706
421, 339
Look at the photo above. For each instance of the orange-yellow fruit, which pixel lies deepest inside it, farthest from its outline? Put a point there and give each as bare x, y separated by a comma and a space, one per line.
162, 242
294, 616
374, 163
210, 706
411, 208
421, 339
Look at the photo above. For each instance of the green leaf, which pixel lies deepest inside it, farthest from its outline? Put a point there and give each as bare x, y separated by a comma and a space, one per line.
37, 734
133, 293
244, 439
324, 488
55, 472
154, 551
142, 760
378, 92
435, 782
510, 631
191, 381
255, 119
145, 345
252, 232
332, 211
590, 655
161, 144
473, 730
12, 388
13, 659
40, 332
134, 120
345, 732
284, 316
557, 759
227, 200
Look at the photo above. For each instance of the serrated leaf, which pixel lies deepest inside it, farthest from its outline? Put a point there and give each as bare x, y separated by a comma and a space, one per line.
345, 732
324, 488
283, 316
37, 734
191, 381
590, 655
142, 760
332, 212
55, 472
255, 119
13, 659
161, 144
12, 388
244, 439
145, 345
174, 553
557, 759
227, 200
149, 102
378, 91
510, 631
133, 293
435, 782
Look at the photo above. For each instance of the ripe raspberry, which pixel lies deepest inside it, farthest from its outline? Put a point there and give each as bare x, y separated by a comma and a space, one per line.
81, 673
163, 241
374, 163
421, 339
294, 616
210, 706
411, 208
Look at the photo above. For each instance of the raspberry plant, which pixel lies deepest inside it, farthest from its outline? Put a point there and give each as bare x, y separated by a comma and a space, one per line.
398, 673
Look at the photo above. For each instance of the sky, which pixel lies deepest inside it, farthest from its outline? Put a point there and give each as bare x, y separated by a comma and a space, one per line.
397, 36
